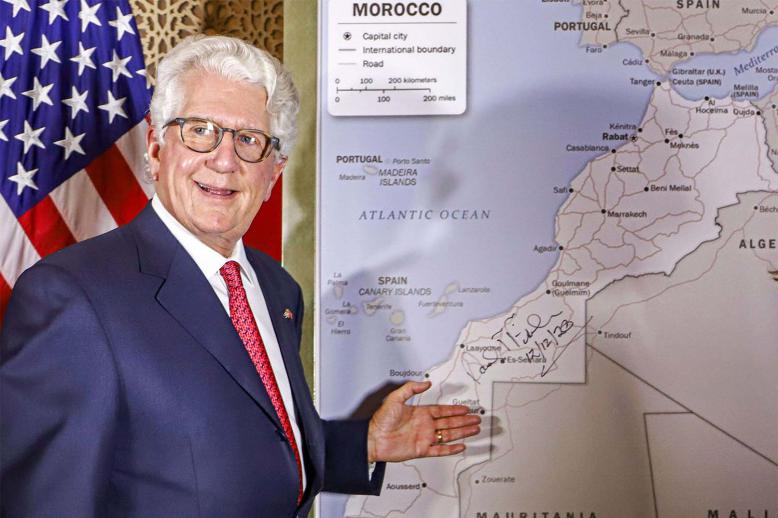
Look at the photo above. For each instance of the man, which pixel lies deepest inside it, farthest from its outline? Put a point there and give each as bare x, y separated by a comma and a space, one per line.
154, 370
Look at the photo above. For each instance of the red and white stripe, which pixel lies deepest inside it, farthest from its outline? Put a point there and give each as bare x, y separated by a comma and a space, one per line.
109, 192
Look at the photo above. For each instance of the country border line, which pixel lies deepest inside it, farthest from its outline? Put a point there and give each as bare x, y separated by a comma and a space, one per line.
710, 423
627, 12
648, 449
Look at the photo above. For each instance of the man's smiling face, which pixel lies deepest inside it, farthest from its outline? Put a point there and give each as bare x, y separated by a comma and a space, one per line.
215, 195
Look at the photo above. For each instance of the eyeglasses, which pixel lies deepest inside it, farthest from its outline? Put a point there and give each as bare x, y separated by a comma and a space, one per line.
203, 136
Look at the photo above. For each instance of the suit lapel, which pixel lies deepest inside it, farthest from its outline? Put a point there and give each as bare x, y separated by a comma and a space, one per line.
285, 334
190, 300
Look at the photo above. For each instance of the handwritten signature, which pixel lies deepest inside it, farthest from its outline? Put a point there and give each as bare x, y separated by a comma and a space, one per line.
559, 351
536, 327
545, 337
549, 338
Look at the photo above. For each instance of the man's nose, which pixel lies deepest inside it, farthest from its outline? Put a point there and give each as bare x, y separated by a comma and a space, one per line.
224, 159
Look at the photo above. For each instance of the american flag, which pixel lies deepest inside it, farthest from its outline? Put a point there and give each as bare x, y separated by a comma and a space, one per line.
73, 95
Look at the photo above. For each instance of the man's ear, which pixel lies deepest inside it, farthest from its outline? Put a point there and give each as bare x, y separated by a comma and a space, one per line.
152, 152
278, 168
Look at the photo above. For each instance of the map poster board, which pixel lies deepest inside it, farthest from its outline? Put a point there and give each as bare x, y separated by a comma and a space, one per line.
587, 256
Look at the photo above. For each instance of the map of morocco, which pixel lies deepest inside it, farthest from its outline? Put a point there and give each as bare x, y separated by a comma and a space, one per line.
635, 211
632, 212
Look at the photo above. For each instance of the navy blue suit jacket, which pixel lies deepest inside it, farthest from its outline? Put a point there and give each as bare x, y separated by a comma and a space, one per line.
125, 391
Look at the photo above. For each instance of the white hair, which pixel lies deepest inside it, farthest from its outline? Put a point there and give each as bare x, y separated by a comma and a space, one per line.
232, 59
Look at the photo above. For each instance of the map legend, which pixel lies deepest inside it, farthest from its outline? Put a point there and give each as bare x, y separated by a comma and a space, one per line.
397, 59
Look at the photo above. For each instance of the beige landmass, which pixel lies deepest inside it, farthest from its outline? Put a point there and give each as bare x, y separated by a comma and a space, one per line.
769, 108
712, 350
668, 34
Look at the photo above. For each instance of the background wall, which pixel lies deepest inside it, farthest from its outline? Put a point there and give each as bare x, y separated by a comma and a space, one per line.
163, 23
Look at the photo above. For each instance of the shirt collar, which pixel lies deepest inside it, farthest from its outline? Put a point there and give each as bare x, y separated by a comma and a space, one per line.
207, 259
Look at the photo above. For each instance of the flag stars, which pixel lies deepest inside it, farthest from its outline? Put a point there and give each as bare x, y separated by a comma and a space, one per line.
88, 14
23, 178
39, 94
2, 133
5, 87
122, 23
31, 137
17, 5
142, 72
118, 66
56, 9
114, 107
76, 102
71, 143
84, 58
11, 43
47, 51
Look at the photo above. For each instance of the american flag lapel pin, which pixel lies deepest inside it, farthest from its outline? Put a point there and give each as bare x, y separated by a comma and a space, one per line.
288, 314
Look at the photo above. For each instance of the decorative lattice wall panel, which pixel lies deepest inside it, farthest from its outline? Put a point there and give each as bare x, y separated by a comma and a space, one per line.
163, 23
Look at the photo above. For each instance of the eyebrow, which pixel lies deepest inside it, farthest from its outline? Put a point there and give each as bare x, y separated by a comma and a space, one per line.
223, 125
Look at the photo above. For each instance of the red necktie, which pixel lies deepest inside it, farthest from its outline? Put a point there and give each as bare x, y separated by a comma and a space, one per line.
246, 326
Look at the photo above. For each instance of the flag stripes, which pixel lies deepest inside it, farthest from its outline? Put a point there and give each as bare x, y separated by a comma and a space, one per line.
18, 254
76, 210
88, 216
117, 185
132, 146
45, 227
5, 294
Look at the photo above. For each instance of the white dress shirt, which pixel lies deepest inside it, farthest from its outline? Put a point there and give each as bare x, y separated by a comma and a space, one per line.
210, 261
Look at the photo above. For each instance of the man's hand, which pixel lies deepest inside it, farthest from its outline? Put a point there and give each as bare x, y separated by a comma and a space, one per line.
399, 432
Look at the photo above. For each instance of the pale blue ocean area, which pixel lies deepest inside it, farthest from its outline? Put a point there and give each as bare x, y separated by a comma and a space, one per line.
531, 92
766, 47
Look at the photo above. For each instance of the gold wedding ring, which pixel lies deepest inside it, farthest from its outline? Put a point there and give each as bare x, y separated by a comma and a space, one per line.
439, 435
